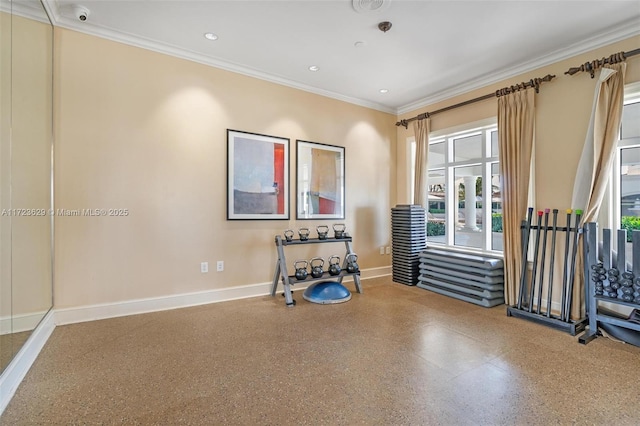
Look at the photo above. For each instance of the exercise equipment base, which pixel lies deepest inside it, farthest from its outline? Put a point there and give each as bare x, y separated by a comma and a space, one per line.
572, 327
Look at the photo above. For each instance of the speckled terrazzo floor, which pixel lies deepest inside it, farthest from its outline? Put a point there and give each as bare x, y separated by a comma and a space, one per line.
394, 355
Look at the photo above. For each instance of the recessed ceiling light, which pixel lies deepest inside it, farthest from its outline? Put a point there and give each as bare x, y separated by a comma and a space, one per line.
384, 90
210, 36
314, 68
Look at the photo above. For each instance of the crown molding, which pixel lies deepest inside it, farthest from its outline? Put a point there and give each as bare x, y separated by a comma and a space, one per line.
59, 20
621, 32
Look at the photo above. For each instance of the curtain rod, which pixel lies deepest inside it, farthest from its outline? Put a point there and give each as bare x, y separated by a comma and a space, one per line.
593, 66
534, 82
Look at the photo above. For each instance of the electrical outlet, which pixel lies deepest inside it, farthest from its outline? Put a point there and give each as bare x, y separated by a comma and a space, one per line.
381, 249
204, 267
220, 266
388, 250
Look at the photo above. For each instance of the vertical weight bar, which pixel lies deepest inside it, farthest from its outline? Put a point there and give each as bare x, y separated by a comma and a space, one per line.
525, 248
535, 260
566, 265
572, 274
542, 260
553, 258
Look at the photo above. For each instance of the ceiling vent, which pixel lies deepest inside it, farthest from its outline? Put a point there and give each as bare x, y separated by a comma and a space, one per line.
366, 6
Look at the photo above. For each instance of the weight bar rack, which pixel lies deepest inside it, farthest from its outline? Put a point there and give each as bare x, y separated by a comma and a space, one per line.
530, 304
408, 239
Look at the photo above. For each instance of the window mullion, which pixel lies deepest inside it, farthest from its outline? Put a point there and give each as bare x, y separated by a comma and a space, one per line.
449, 195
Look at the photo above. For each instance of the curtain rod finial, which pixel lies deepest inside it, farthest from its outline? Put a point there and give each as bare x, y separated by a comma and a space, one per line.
404, 123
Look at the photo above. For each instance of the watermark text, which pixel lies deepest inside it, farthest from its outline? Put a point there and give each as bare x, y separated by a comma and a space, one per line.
121, 212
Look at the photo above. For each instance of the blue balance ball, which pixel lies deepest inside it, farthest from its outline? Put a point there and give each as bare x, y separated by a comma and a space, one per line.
326, 292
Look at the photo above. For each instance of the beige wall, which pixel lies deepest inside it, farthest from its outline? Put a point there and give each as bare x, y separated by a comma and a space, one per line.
563, 109
147, 132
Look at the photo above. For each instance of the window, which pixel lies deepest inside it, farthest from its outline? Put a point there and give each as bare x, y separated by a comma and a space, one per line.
464, 203
626, 170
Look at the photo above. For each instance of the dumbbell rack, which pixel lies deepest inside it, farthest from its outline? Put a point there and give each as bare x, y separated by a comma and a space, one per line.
605, 259
281, 273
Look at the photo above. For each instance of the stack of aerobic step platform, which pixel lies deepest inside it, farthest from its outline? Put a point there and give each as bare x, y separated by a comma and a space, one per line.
408, 239
474, 279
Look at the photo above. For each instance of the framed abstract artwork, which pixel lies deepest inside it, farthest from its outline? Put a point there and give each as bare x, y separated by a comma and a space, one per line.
320, 186
257, 176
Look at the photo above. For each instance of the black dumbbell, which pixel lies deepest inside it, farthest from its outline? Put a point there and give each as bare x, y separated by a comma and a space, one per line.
627, 290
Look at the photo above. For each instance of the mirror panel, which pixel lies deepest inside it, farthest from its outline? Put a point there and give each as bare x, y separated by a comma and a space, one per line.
26, 176
6, 346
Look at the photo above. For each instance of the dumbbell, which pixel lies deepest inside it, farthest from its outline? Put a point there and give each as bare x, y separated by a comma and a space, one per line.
627, 290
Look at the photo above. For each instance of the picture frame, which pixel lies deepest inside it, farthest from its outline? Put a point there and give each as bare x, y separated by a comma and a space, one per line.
257, 176
320, 181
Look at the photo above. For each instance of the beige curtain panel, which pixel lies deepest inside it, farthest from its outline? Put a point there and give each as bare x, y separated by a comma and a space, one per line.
516, 116
596, 160
421, 130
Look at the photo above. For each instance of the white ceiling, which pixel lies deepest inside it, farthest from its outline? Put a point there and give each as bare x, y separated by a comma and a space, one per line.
435, 49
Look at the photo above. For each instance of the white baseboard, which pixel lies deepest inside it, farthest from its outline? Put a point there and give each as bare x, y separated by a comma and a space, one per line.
19, 323
16, 370
141, 306
154, 304
382, 271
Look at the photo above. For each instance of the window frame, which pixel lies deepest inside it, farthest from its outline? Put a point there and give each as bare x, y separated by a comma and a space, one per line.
450, 165
611, 212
